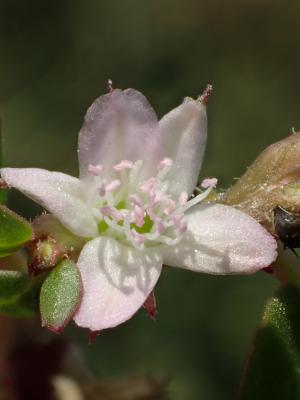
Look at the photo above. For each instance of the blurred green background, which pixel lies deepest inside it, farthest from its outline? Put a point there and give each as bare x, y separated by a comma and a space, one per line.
55, 58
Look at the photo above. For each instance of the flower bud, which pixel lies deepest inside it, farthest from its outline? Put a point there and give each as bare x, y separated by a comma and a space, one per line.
44, 254
47, 226
272, 180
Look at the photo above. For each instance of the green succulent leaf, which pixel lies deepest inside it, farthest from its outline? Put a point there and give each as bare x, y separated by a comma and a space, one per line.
18, 294
60, 296
273, 368
15, 231
3, 192
3, 196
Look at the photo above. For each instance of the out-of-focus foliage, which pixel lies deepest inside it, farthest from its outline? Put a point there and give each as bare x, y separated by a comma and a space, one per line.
129, 388
14, 231
55, 59
273, 367
3, 192
18, 294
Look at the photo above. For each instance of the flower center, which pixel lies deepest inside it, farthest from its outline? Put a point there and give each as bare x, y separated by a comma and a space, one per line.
140, 212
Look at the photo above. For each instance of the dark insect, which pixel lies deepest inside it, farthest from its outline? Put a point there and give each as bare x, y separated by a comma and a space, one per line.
287, 227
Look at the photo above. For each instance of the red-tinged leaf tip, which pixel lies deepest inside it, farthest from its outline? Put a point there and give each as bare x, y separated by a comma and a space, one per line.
269, 270
3, 184
93, 336
56, 330
150, 305
205, 96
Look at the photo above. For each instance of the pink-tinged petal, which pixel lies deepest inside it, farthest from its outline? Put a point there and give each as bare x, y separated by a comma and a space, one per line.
222, 240
183, 134
61, 194
120, 125
117, 280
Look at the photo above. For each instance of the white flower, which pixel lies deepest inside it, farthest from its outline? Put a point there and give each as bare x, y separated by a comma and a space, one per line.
131, 206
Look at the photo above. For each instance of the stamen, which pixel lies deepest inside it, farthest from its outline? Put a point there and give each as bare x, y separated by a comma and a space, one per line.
209, 182
170, 207
143, 212
113, 185
136, 200
183, 227
102, 188
164, 168
159, 226
124, 164
148, 185
113, 225
153, 198
126, 227
135, 171
197, 199
166, 162
151, 212
138, 216
112, 212
138, 238
180, 223
183, 198
95, 169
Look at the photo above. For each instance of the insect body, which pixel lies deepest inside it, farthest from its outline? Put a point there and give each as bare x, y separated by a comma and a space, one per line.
287, 227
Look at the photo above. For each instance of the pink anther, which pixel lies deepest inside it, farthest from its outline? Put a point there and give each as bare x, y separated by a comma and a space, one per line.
209, 182
183, 227
113, 185
180, 223
160, 226
137, 237
151, 213
95, 169
157, 197
183, 198
138, 216
148, 185
124, 164
136, 200
166, 162
171, 205
112, 212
